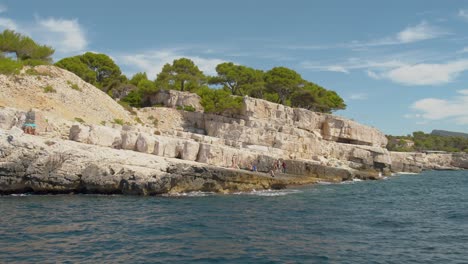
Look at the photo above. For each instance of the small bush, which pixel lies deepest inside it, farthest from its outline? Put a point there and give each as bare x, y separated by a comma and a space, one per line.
155, 122
31, 62
127, 107
103, 123
79, 120
76, 87
151, 117
49, 89
119, 121
189, 108
9, 66
179, 107
138, 120
31, 71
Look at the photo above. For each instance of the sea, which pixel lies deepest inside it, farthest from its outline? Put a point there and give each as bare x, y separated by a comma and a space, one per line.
419, 218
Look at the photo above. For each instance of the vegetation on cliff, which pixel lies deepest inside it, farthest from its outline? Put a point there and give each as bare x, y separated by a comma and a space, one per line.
420, 141
17, 50
219, 93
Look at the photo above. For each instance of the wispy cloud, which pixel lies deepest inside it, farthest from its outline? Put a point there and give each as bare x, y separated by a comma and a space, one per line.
152, 62
66, 35
7, 23
352, 64
463, 13
358, 96
410, 34
455, 109
427, 74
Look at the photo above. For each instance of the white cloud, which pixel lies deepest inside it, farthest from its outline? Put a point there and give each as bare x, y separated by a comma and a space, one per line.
455, 109
358, 96
352, 64
426, 74
7, 23
337, 68
463, 13
422, 31
373, 75
152, 62
65, 35
410, 34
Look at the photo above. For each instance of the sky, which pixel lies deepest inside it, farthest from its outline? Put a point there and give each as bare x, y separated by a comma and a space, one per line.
400, 66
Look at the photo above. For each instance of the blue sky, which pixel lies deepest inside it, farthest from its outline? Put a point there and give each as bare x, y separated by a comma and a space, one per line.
401, 66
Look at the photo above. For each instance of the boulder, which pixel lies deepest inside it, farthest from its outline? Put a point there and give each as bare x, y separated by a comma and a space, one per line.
129, 139
172, 98
105, 136
145, 143
79, 133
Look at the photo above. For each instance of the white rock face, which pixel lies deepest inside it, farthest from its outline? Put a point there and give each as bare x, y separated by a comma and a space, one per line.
104, 136
80, 133
145, 143
173, 99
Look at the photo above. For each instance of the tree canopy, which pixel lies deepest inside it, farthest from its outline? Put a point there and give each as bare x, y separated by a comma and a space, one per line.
420, 141
283, 82
182, 75
24, 48
97, 69
238, 79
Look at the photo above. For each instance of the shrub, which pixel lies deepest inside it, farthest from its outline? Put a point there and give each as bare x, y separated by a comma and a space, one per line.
138, 120
127, 107
179, 107
103, 123
151, 117
75, 87
189, 108
219, 101
119, 121
49, 89
155, 122
79, 120
9, 66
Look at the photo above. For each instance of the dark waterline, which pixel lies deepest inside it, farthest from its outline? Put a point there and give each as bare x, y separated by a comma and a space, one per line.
406, 219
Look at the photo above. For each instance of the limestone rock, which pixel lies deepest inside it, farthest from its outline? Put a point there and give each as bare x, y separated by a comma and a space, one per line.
105, 136
173, 99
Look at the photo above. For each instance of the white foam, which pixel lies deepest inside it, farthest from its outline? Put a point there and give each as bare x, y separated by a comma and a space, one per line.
406, 173
190, 194
20, 195
269, 192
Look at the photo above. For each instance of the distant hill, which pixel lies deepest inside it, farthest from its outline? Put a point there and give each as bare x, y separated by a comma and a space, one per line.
445, 133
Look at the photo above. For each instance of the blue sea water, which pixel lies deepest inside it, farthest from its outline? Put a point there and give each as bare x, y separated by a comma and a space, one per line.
405, 219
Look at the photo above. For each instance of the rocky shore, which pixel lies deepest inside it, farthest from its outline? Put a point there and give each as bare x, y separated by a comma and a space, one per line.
158, 150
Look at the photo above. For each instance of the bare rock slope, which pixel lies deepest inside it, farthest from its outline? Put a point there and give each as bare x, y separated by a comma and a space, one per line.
59, 94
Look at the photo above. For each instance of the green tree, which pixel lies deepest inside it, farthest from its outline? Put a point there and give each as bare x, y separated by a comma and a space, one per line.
137, 77
24, 48
75, 65
97, 69
316, 98
219, 101
105, 68
238, 79
283, 81
182, 75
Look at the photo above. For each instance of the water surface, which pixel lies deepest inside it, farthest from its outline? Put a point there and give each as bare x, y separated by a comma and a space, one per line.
408, 218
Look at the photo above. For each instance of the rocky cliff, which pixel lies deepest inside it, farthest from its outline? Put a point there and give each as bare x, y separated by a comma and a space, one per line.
186, 146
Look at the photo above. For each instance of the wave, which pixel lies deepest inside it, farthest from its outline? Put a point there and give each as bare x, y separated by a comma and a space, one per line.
189, 194
269, 192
